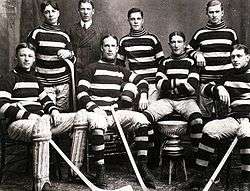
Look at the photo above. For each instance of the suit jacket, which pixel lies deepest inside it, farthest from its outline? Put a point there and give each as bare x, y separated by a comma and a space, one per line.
86, 44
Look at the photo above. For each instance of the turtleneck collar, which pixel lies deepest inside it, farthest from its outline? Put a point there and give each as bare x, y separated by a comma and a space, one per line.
215, 26
22, 70
175, 56
51, 27
137, 33
107, 61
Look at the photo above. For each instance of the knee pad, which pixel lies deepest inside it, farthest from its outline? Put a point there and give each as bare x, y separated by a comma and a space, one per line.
41, 129
81, 118
129, 92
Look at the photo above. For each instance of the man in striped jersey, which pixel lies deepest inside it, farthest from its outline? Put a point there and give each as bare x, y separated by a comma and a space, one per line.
53, 47
214, 42
99, 88
233, 93
177, 81
24, 102
141, 49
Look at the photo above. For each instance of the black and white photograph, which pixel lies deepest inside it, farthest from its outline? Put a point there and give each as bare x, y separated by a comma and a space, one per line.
124, 95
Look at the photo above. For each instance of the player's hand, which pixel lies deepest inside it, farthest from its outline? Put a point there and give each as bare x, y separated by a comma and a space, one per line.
143, 102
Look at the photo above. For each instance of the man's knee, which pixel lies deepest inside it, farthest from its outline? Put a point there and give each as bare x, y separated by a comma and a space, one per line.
97, 121
195, 118
129, 92
41, 129
211, 129
81, 118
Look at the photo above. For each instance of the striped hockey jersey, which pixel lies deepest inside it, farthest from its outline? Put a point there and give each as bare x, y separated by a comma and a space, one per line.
47, 39
142, 51
22, 87
177, 77
101, 85
216, 43
238, 86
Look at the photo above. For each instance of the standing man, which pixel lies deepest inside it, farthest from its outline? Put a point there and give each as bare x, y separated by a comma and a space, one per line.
142, 50
85, 36
214, 42
99, 88
53, 46
233, 92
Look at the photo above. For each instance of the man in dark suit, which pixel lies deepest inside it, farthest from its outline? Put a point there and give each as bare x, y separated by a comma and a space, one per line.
85, 36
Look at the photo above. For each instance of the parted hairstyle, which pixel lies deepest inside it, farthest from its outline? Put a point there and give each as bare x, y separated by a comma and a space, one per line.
213, 3
86, 1
107, 36
134, 10
25, 45
49, 2
241, 47
178, 33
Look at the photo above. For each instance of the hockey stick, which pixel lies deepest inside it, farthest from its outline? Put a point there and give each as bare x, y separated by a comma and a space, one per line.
78, 172
72, 71
131, 158
219, 167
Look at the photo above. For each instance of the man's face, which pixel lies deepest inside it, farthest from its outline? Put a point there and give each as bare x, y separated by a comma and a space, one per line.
239, 58
86, 11
136, 21
51, 15
177, 45
109, 48
215, 14
26, 58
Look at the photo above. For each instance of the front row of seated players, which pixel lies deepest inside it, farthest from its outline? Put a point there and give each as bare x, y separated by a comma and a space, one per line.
232, 93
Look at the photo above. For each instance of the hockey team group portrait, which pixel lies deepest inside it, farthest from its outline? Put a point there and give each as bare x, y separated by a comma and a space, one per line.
129, 95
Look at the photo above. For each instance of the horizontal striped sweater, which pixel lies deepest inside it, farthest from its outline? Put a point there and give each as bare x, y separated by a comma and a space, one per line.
177, 77
238, 86
19, 89
101, 84
216, 43
47, 39
142, 51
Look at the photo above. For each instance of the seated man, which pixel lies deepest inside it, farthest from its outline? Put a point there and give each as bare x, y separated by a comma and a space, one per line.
99, 88
233, 93
177, 80
24, 102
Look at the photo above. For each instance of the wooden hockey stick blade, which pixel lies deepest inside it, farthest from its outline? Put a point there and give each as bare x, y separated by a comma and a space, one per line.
78, 172
219, 167
131, 158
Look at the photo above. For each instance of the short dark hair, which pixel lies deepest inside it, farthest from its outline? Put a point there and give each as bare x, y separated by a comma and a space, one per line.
107, 36
49, 2
213, 3
241, 47
178, 33
134, 10
25, 45
86, 1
